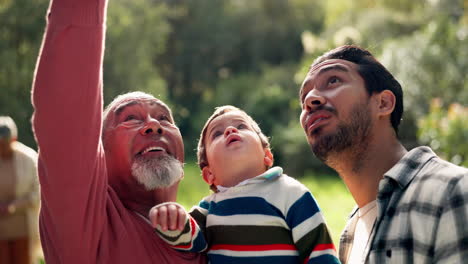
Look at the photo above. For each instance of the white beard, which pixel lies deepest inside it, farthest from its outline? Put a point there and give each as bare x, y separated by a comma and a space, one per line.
155, 173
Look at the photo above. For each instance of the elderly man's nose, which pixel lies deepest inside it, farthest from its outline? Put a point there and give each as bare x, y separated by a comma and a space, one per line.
152, 126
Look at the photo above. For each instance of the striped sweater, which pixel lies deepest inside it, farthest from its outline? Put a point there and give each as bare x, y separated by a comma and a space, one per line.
271, 218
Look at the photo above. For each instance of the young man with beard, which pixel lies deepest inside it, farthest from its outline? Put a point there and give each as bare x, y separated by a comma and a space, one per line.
96, 192
412, 206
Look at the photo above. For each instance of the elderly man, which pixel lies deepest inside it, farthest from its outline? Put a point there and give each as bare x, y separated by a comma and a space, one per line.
412, 206
97, 191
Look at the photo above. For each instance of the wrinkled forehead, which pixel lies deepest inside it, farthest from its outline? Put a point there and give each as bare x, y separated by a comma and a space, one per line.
120, 104
331, 64
131, 101
318, 69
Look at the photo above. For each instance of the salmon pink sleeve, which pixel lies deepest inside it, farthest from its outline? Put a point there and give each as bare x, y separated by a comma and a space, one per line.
67, 100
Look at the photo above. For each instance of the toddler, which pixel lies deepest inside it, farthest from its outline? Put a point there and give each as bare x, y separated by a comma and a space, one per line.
256, 214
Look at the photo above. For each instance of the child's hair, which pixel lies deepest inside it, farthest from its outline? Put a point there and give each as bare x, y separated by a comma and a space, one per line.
201, 151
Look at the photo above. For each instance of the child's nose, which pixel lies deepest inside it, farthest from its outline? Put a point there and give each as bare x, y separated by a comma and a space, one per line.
229, 130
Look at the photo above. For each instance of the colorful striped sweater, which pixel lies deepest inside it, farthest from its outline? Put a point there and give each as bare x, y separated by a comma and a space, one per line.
271, 218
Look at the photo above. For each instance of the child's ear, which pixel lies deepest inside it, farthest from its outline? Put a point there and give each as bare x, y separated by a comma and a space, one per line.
268, 159
208, 176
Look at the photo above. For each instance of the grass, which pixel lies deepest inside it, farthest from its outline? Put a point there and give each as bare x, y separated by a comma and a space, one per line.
334, 199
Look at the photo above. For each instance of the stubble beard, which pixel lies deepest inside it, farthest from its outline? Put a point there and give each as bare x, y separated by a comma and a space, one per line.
160, 172
351, 137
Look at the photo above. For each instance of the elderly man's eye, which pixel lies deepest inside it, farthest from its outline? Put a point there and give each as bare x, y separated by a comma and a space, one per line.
129, 118
165, 119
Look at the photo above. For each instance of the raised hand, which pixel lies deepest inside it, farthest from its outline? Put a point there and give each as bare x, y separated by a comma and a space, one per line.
168, 216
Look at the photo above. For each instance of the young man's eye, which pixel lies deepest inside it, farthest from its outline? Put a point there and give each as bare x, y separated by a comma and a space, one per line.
334, 80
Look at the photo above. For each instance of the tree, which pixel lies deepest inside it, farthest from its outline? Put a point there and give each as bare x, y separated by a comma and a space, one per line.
446, 131
137, 32
236, 37
20, 37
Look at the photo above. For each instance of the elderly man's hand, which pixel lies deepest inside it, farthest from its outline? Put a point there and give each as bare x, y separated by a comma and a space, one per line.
169, 216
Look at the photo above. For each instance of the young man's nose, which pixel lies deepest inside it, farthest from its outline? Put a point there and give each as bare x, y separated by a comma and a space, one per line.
229, 130
313, 100
151, 126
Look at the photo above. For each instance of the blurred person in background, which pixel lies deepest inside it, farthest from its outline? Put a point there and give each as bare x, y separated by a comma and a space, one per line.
19, 198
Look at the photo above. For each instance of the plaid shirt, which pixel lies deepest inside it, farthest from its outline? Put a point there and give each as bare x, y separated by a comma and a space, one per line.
422, 213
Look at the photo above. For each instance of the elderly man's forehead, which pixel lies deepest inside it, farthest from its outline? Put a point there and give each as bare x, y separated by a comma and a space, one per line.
127, 102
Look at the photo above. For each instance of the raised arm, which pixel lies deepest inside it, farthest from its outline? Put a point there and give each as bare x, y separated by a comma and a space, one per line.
67, 99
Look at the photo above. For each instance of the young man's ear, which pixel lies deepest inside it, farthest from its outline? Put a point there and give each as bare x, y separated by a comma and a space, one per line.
385, 103
208, 175
268, 159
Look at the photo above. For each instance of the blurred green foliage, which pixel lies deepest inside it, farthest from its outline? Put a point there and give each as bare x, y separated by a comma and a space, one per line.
199, 54
446, 131
21, 29
137, 35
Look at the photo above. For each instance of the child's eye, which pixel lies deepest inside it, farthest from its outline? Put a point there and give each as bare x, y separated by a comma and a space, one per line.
216, 134
241, 126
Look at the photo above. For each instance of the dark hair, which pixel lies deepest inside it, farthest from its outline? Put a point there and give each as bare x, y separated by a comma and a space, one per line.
201, 151
376, 77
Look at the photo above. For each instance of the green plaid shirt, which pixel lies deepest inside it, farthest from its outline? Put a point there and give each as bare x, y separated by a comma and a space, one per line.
422, 213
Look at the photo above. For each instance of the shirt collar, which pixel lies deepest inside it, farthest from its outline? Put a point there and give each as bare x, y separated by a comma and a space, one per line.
268, 175
412, 162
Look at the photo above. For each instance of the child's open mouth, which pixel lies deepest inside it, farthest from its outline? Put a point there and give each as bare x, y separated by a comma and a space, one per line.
232, 139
